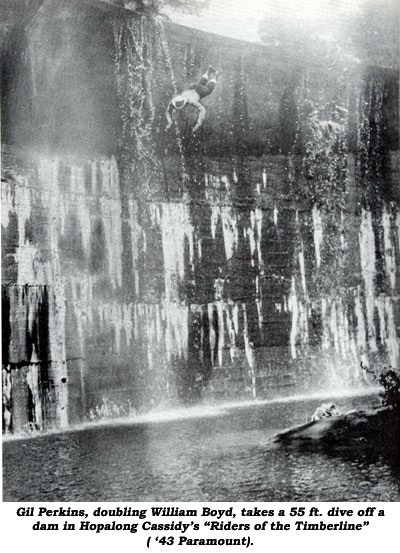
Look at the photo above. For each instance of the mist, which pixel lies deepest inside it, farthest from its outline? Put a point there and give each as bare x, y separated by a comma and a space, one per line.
363, 30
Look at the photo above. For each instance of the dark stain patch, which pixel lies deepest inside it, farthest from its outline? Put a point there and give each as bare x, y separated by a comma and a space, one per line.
98, 259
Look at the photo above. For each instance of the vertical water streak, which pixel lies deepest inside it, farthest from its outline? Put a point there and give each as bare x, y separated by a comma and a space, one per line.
134, 75
368, 259
176, 228
177, 330
231, 329
256, 217
176, 232
302, 269
221, 331
248, 346
276, 213
76, 202
212, 334
7, 202
389, 250
111, 216
161, 35
26, 305
318, 235
362, 343
293, 308
135, 233
57, 342
7, 386
392, 338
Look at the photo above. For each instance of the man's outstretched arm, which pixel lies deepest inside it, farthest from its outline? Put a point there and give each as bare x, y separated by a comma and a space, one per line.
202, 114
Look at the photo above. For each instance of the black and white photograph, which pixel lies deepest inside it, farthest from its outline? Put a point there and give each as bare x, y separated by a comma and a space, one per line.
200, 232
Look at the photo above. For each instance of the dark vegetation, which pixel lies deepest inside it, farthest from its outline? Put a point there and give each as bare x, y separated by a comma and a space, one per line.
373, 430
157, 6
389, 380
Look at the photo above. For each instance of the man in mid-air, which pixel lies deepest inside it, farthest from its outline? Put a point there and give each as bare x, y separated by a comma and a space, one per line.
192, 96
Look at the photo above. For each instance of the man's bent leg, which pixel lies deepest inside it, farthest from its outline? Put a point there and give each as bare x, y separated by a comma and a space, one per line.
209, 75
211, 85
205, 90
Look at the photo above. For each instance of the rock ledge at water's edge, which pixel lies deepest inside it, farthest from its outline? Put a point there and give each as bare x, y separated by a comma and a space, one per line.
375, 428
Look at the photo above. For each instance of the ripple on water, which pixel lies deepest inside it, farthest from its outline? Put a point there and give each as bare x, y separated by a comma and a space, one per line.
222, 457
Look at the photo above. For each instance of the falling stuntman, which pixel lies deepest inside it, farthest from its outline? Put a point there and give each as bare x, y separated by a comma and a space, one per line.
192, 95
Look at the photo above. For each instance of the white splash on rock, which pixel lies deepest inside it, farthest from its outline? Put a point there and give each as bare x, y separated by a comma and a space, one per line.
33, 382
177, 329
7, 202
276, 213
259, 312
264, 177
226, 214
176, 229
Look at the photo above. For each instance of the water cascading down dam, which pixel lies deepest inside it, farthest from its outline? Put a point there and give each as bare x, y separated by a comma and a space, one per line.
145, 268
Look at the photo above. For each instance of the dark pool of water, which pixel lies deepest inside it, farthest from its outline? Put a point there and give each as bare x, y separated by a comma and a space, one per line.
225, 457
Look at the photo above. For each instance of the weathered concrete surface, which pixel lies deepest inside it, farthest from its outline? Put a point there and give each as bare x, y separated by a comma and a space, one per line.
143, 268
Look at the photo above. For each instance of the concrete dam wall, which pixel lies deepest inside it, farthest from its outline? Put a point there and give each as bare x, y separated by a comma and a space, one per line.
145, 268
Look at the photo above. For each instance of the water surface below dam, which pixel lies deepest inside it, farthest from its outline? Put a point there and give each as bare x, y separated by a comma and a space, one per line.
219, 454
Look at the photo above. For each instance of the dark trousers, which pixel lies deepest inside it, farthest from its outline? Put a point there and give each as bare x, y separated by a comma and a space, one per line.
204, 88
